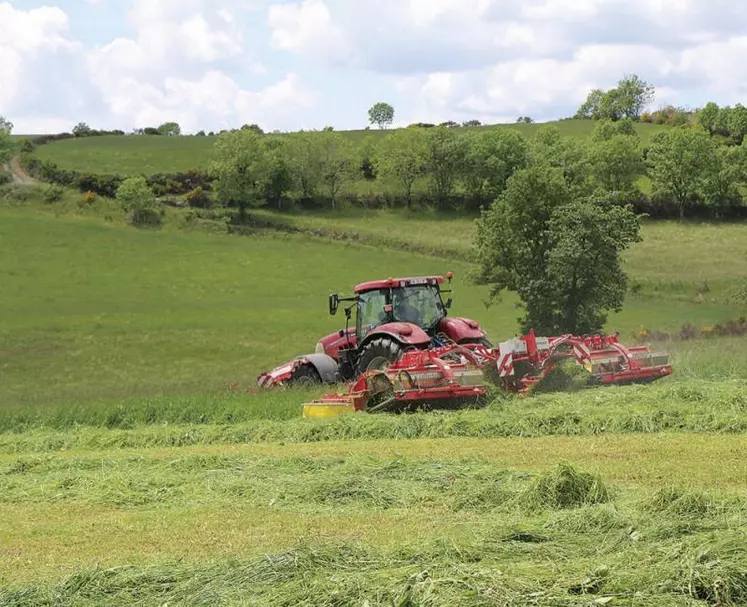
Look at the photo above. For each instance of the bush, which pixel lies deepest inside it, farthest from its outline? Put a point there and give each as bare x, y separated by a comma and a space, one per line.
52, 193
13, 192
88, 199
139, 202
5, 177
198, 199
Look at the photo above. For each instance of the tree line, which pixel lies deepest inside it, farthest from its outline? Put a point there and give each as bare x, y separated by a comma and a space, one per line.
688, 169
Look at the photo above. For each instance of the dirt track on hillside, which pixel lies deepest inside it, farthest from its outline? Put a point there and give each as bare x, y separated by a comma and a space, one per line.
19, 175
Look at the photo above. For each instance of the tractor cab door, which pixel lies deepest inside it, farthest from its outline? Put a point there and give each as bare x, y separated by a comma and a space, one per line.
371, 311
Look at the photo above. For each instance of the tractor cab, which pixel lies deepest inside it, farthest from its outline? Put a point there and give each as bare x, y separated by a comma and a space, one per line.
415, 301
393, 315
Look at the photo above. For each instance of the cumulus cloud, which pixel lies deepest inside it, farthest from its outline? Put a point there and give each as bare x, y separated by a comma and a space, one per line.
461, 59
41, 65
190, 60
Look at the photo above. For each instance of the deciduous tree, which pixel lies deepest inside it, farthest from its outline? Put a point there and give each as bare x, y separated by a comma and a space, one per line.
708, 116
382, 114
336, 162
634, 94
238, 170
550, 148
171, 129
615, 158
492, 157
679, 163
401, 157
560, 254
444, 162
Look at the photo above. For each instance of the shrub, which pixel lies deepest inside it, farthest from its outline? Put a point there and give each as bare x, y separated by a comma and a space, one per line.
88, 199
139, 202
198, 199
52, 193
5, 177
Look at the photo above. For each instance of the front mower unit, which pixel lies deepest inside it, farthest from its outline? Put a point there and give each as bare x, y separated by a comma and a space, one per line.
442, 378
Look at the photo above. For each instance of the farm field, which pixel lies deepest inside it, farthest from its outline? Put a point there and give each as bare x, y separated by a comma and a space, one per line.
136, 154
132, 473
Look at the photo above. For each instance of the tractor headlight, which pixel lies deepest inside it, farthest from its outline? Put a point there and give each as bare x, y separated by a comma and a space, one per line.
319, 348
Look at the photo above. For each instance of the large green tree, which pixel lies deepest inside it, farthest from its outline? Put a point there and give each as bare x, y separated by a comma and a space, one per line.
239, 170
492, 157
550, 148
627, 100
680, 162
401, 157
722, 185
634, 94
276, 174
335, 162
305, 162
382, 114
708, 116
170, 129
444, 162
615, 158
558, 252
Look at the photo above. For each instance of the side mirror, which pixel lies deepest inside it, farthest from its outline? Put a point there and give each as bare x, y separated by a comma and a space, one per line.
334, 301
448, 303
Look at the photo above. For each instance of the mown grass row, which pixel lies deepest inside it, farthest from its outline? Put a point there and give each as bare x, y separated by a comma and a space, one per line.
564, 537
334, 483
685, 406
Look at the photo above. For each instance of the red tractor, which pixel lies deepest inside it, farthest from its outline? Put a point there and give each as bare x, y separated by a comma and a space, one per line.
403, 338
393, 316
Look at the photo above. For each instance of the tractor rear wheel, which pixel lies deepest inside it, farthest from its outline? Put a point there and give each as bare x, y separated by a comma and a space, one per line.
305, 375
379, 354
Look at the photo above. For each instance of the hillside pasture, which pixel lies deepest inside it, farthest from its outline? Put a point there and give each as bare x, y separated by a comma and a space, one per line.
102, 311
144, 154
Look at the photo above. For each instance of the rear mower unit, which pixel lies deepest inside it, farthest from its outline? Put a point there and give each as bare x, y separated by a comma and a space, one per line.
405, 353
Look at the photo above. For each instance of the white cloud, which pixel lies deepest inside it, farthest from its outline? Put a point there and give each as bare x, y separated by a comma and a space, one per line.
308, 28
39, 62
212, 102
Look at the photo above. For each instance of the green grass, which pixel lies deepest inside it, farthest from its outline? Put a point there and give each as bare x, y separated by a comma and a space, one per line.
136, 469
101, 310
136, 154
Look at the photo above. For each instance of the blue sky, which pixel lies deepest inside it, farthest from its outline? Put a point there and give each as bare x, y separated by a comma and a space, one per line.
212, 64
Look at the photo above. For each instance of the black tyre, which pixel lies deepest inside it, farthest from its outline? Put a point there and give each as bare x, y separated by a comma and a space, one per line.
305, 375
379, 354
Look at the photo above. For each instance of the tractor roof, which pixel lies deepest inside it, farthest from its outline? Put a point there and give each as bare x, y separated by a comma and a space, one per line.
398, 282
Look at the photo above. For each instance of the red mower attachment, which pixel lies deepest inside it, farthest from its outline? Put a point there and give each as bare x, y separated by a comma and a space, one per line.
440, 378
522, 362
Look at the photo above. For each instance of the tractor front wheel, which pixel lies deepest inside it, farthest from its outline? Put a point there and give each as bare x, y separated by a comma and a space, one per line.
305, 375
379, 354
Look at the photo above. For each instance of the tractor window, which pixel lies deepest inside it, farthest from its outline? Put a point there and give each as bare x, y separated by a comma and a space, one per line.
418, 305
371, 312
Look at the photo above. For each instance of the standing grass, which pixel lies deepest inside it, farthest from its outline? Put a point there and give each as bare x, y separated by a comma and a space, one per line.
93, 311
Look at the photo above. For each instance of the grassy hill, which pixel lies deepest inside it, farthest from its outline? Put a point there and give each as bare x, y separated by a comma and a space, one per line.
103, 310
136, 154
132, 473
